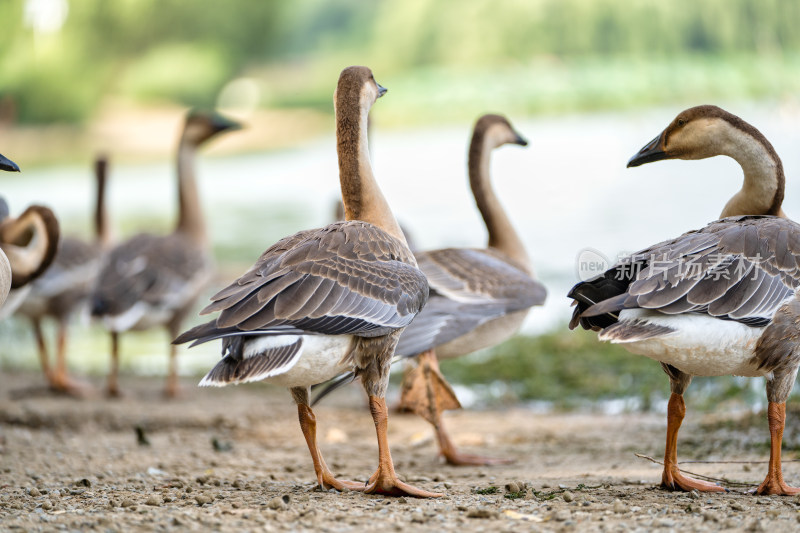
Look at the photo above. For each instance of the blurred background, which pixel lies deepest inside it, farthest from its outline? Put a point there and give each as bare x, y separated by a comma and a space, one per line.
588, 82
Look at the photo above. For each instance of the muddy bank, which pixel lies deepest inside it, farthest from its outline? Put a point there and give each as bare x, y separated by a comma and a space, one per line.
234, 460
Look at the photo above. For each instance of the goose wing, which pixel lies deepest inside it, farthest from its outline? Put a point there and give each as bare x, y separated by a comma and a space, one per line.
738, 268
148, 273
468, 287
346, 278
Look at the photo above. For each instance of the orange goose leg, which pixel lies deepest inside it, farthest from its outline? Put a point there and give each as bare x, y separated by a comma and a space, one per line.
326, 480
308, 423
385, 480
61, 382
672, 478
112, 389
427, 393
774, 484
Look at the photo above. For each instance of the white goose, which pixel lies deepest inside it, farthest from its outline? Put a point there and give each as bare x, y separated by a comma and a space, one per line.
327, 300
715, 301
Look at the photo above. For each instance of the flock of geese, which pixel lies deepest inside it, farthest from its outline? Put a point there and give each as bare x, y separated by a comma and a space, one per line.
331, 304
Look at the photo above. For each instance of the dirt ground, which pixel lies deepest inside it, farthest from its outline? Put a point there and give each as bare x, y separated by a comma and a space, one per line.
234, 459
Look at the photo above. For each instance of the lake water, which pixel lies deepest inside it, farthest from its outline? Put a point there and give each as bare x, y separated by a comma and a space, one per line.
567, 191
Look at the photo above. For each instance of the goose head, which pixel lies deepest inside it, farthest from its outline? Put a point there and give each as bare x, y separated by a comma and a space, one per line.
357, 89
497, 131
7, 164
698, 133
30, 242
200, 126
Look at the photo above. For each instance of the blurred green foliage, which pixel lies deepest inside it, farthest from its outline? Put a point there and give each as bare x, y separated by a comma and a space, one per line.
543, 55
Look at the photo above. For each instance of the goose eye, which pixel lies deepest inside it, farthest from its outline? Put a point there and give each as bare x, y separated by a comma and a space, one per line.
681, 122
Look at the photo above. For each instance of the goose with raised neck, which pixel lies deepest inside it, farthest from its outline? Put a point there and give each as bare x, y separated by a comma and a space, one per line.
64, 289
151, 280
479, 297
490, 132
707, 131
721, 300
327, 300
361, 196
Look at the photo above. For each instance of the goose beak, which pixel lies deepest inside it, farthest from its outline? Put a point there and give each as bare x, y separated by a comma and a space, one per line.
653, 151
221, 123
520, 140
381, 90
7, 164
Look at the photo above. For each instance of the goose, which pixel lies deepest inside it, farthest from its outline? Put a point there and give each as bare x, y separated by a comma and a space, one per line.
327, 300
152, 280
478, 297
65, 287
28, 245
721, 300
6, 165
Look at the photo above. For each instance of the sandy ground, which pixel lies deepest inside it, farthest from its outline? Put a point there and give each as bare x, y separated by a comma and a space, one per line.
234, 460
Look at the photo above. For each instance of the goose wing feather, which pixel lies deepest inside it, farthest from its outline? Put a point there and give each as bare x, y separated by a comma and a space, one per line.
741, 268
157, 270
346, 278
468, 288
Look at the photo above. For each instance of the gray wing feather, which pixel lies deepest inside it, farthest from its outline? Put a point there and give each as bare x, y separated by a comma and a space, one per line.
345, 278
739, 268
468, 288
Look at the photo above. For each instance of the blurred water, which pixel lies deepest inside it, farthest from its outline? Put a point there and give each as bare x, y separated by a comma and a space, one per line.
567, 191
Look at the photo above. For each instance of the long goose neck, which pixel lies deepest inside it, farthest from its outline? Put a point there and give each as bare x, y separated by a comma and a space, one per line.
764, 181
502, 235
361, 195
190, 212
101, 225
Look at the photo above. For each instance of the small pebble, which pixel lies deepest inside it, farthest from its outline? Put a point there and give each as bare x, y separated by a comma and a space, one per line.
773, 513
695, 494
279, 502
561, 516
46, 505
618, 507
568, 497
153, 500
202, 499
512, 487
736, 506
127, 503
34, 492
481, 512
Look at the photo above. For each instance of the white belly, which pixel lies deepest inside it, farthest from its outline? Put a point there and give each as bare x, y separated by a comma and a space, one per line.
321, 358
701, 345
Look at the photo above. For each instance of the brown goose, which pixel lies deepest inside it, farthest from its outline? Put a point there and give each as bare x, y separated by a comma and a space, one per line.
65, 287
151, 280
716, 301
327, 300
28, 244
479, 297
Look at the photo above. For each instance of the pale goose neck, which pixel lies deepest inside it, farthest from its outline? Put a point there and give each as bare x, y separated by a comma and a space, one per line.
361, 195
190, 212
763, 188
502, 235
